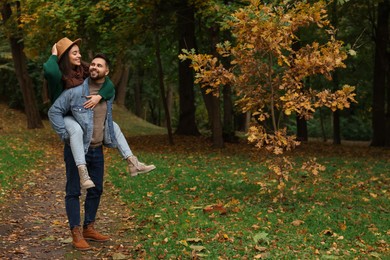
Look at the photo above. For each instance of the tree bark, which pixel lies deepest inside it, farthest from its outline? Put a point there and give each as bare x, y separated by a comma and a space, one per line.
186, 27
139, 77
229, 134
336, 114
336, 127
380, 68
161, 83
388, 104
122, 86
301, 129
20, 64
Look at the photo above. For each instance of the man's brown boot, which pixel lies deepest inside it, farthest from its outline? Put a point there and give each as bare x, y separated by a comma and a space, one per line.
90, 233
78, 239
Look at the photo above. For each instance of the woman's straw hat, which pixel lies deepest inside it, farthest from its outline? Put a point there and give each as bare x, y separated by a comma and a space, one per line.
64, 44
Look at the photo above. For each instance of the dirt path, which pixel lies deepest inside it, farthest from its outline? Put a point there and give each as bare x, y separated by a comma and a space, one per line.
33, 223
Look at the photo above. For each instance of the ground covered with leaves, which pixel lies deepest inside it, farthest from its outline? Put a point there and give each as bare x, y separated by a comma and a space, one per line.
199, 203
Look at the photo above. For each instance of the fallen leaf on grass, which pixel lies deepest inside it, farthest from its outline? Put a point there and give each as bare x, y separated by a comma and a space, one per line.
327, 232
343, 226
262, 256
49, 238
297, 222
194, 240
119, 256
261, 237
66, 241
260, 248
215, 208
197, 248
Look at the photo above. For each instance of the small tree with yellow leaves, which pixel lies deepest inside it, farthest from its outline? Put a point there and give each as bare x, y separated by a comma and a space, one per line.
268, 74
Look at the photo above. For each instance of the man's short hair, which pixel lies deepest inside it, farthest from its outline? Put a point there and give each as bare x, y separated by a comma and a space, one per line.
102, 56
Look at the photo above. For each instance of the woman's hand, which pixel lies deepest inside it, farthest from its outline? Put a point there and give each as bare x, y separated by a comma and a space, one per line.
92, 101
54, 49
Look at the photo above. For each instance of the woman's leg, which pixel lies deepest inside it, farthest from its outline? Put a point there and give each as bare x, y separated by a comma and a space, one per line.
77, 147
123, 146
135, 167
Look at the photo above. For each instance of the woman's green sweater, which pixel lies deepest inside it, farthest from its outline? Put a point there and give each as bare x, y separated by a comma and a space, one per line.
53, 76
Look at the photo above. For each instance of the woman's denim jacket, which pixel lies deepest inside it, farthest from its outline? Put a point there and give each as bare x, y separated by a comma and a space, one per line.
72, 100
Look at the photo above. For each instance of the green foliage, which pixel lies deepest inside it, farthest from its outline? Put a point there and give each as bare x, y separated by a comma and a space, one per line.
125, 29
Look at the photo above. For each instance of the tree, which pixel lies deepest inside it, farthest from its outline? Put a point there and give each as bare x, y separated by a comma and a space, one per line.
380, 135
161, 77
268, 74
10, 15
186, 31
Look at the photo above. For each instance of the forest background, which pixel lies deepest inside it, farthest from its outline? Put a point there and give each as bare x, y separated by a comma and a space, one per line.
144, 39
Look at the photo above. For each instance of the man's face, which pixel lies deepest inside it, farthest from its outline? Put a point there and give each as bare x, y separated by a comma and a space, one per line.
98, 69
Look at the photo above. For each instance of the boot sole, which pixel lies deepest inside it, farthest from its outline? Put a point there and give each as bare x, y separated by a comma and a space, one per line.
96, 240
87, 186
81, 249
135, 174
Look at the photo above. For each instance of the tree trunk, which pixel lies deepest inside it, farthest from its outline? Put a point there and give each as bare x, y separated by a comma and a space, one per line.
388, 103
214, 108
336, 127
118, 71
169, 96
229, 134
336, 114
161, 82
122, 86
301, 129
20, 64
380, 68
186, 28
139, 78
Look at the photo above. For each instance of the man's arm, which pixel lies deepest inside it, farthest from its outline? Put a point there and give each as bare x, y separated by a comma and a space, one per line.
57, 113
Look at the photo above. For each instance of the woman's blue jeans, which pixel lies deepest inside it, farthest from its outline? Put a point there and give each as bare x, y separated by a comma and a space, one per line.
76, 140
95, 166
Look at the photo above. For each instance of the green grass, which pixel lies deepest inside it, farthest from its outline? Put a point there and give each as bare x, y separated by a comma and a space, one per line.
344, 215
133, 125
16, 159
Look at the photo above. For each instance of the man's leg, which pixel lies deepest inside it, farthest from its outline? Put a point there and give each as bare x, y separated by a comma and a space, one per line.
95, 162
72, 201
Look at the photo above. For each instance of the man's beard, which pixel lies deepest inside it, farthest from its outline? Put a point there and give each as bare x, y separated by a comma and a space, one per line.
95, 75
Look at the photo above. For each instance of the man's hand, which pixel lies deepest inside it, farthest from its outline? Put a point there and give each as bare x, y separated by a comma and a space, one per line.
92, 101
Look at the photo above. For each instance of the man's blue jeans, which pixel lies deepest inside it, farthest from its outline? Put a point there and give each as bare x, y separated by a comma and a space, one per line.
95, 166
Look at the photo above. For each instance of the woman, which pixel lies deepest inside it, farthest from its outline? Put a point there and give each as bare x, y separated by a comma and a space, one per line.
63, 70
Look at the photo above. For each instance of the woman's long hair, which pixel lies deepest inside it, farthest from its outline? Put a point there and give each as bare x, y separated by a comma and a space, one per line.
66, 66
64, 63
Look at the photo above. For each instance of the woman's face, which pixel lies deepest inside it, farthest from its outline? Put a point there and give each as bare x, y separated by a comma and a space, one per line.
74, 55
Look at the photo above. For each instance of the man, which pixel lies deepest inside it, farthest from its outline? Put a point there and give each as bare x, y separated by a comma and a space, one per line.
98, 129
